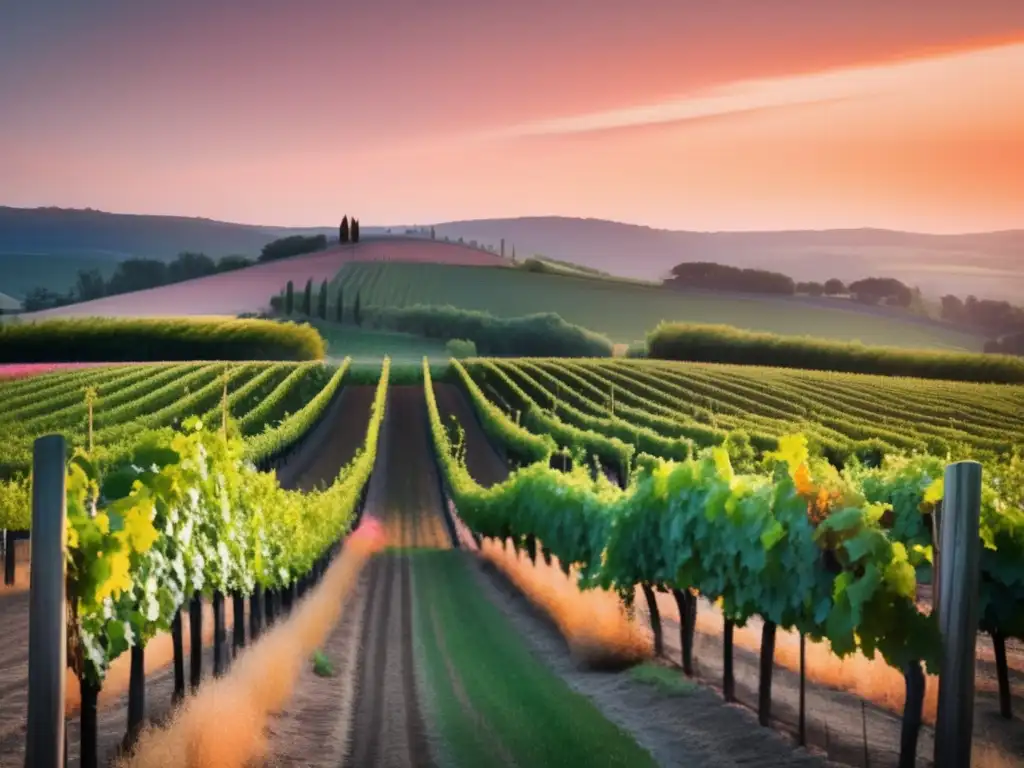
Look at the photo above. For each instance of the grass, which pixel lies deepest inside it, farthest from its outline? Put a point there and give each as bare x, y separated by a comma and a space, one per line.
666, 679
502, 706
624, 312
370, 346
322, 666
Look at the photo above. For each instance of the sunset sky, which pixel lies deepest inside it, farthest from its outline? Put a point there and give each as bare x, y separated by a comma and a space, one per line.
685, 114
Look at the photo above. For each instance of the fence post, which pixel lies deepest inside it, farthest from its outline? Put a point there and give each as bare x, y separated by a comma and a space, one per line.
10, 561
958, 576
47, 654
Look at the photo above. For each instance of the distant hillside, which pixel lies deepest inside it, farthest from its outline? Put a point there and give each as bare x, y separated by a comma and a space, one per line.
988, 265
8, 304
47, 246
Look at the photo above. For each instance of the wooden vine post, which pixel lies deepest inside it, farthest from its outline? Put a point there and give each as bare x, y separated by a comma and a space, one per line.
47, 630
764, 689
178, 642
728, 676
224, 406
195, 646
90, 403
958, 583
686, 601
1003, 675
655, 614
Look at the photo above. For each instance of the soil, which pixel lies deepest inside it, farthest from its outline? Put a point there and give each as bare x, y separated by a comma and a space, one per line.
370, 714
315, 728
484, 462
836, 719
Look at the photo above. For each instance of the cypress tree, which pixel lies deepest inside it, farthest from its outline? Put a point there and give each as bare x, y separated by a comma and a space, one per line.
339, 309
355, 230
433, 236
343, 230
356, 312
503, 247
307, 299
322, 308
289, 298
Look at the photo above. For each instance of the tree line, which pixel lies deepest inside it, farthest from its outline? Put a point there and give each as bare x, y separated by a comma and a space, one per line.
139, 274
133, 275
289, 304
994, 318
707, 275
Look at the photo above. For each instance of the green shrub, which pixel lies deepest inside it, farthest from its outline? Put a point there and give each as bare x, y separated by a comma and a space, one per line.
460, 348
725, 344
637, 349
539, 335
83, 340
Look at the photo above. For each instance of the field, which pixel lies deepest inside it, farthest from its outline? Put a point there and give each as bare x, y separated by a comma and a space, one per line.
441, 654
667, 409
249, 290
623, 311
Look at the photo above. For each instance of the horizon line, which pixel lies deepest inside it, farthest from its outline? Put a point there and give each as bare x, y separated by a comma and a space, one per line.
786, 230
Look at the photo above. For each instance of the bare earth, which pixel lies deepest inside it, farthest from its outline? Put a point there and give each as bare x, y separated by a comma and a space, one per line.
369, 714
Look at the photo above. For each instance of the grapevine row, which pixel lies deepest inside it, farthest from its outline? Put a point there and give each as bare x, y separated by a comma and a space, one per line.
850, 548
199, 518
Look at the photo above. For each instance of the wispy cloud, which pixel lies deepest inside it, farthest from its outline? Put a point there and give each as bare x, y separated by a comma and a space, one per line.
765, 94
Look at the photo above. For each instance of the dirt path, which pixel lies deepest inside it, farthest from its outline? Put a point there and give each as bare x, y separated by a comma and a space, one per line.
334, 444
369, 713
388, 727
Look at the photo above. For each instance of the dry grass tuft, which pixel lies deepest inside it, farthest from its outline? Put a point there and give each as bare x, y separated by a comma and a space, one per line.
224, 724
594, 622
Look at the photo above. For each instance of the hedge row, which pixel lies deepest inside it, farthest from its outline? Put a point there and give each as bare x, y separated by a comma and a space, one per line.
538, 335
157, 339
725, 344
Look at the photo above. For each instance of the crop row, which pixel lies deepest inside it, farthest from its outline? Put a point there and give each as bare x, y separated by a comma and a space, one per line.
198, 519
658, 407
791, 539
270, 405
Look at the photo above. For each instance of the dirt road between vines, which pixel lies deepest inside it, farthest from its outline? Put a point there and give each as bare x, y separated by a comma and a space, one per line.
368, 713
388, 727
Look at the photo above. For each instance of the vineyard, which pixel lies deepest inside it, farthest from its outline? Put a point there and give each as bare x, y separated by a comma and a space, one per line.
111, 410
756, 489
795, 500
616, 409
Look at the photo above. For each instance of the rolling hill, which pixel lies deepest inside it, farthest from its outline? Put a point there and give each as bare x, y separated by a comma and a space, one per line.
626, 311
46, 247
250, 289
988, 265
